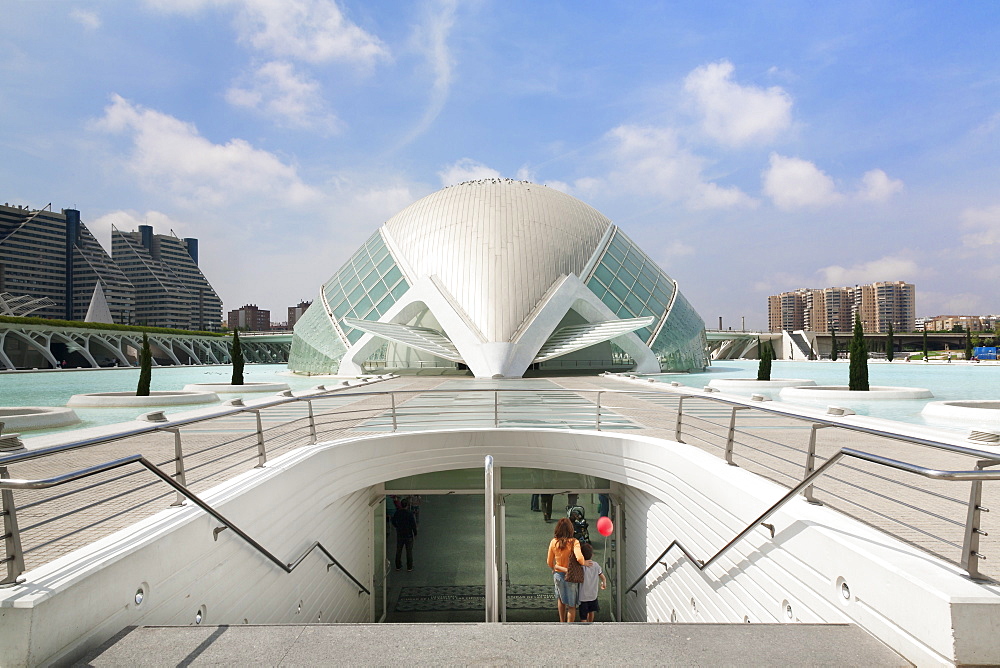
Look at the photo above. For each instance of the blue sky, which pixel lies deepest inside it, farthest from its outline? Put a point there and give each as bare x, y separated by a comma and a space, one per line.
749, 147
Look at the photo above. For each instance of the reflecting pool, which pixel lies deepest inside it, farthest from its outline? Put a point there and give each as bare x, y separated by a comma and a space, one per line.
55, 387
953, 381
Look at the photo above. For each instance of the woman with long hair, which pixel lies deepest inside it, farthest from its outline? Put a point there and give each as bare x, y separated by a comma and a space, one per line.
560, 548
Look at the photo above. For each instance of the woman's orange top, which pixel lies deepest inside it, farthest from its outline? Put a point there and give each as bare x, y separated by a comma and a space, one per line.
558, 560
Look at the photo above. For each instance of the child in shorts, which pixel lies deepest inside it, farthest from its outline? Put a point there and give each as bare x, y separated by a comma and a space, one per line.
593, 577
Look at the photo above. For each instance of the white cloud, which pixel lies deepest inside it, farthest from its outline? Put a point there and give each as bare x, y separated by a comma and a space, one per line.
129, 221
883, 269
170, 155
878, 187
792, 183
431, 38
650, 161
933, 302
676, 248
314, 31
984, 226
276, 90
466, 169
89, 20
734, 114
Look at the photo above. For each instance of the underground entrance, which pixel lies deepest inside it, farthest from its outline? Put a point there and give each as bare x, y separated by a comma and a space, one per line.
448, 582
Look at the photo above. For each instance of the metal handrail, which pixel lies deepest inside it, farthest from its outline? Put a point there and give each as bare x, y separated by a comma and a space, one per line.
596, 416
55, 481
808, 480
915, 440
169, 424
331, 392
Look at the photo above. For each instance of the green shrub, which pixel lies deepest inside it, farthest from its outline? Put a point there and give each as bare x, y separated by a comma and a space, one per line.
766, 355
237, 355
859, 359
145, 368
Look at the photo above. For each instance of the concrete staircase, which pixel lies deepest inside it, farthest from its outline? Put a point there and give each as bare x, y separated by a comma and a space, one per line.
498, 645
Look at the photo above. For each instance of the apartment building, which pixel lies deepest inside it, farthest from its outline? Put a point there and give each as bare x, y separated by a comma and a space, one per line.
834, 309
48, 254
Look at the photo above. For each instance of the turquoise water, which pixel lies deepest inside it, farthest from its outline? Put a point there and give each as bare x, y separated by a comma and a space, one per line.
54, 388
945, 381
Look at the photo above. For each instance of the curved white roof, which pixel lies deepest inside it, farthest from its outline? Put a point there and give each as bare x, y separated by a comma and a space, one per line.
496, 246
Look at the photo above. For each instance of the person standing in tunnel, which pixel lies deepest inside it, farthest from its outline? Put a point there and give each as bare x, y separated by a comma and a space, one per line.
406, 531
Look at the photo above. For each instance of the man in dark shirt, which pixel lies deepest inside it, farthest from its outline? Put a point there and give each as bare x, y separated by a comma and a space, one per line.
406, 531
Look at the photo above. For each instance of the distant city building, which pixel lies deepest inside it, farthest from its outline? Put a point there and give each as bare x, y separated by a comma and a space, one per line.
834, 309
53, 256
969, 323
296, 312
250, 318
170, 290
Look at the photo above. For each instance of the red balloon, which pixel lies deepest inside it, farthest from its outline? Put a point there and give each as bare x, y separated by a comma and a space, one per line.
605, 526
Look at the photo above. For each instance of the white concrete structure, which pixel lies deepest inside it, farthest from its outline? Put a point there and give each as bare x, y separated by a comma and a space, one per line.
499, 275
818, 566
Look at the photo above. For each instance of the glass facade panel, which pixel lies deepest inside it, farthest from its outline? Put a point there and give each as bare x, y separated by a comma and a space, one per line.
399, 289
385, 264
392, 276
641, 288
378, 291
353, 290
618, 288
604, 275
634, 304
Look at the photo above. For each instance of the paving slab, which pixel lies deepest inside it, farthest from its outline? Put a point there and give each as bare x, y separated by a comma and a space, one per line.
483, 644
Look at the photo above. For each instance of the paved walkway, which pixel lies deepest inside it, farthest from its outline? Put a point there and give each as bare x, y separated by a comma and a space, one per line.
782, 645
927, 513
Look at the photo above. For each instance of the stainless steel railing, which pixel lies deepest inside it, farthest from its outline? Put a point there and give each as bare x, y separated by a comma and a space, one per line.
976, 476
10, 484
205, 450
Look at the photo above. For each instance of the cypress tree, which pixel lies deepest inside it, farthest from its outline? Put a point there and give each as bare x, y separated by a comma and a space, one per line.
889, 354
766, 355
859, 358
968, 343
237, 355
145, 368
833, 345
926, 354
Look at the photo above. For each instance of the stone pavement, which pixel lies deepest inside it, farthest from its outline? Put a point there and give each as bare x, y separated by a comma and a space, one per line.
483, 644
927, 513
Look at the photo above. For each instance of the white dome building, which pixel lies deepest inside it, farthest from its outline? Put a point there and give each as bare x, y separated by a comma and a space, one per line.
499, 276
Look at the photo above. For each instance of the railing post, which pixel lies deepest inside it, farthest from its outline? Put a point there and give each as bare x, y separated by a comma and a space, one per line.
392, 398
11, 535
970, 546
598, 410
496, 409
731, 438
680, 415
811, 464
261, 452
179, 474
312, 423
